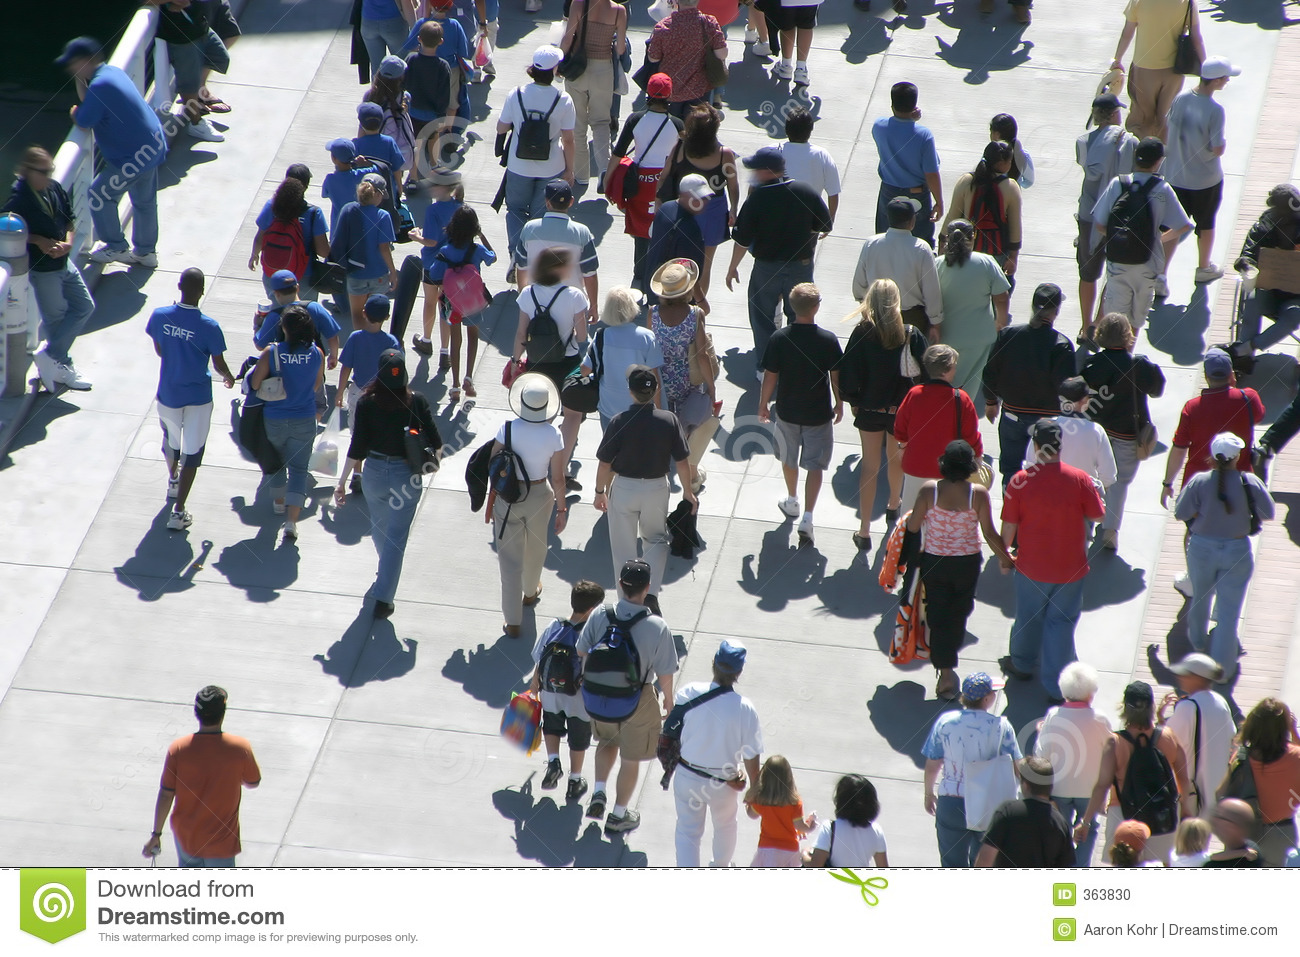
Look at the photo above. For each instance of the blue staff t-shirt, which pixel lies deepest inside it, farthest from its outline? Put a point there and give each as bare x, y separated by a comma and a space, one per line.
326, 326
379, 10
379, 146
436, 218
300, 370
340, 188
187, 340
480, 256
376, 227
362, 351
126, 128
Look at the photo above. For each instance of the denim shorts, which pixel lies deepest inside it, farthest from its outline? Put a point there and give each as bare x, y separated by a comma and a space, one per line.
189, 59
367, 287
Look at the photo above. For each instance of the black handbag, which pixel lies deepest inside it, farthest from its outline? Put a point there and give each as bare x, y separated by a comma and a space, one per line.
647, 69
574, 63
1186, 60
252, 436
420, 456
716, 69
581, 393
328, 277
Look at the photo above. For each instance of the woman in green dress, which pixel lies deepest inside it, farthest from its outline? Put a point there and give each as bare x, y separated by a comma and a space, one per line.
976, 298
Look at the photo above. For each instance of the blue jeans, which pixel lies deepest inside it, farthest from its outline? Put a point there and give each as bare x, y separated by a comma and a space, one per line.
1046, 615
185, 860
293, 440
770, 283
392, 493
525, 200
924, 229
378, 34
1013, 443
142, 187
957, 845
1072, 810
1282, 308
1220, 568
65, 305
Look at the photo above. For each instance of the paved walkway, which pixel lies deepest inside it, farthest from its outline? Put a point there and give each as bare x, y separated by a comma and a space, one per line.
379, 741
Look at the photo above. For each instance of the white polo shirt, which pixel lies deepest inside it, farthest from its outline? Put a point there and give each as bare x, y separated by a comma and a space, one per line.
720, 734
1085, 445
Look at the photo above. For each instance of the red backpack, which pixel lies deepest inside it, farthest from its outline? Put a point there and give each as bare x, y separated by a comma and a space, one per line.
283, 247
988, 216
463, 286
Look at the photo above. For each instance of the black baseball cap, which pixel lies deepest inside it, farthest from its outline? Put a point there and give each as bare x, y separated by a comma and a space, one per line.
901, 210
1137, 694
1075, 389
1149, 151
635, 575
1046, 434
1108, 102
1048, 295
641, 382
79, 48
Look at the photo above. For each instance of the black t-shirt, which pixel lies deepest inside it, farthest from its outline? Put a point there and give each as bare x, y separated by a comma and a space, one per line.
803, 355
183, 26
780, 221
643, 443
1030, 833
1245, 861
380, 428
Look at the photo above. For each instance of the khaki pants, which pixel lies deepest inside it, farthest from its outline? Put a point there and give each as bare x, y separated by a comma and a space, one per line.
593, 98
1151, 93
638, 508
521, 547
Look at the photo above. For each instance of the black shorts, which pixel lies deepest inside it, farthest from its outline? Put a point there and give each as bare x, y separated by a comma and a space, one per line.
556, 371
867, 420
579, 731
222, 22
1201, 205
1089, 252
794, 18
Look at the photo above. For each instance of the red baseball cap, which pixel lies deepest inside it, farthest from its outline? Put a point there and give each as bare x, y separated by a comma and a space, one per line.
660, 87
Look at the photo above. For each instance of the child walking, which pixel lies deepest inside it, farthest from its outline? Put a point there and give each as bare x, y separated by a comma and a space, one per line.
448, 196
454, 278
557, 665
775, 803
359, 360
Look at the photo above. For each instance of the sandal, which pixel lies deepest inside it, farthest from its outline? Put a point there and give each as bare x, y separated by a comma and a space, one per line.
947, 691
1085, 336
453, 394
215, 103
470, 391
533, 599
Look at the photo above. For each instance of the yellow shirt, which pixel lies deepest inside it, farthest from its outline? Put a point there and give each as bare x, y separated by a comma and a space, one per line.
1160, 24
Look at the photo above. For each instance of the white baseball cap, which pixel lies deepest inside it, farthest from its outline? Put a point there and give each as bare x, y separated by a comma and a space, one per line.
1217, 67
547, 57
695, 186
1225, 445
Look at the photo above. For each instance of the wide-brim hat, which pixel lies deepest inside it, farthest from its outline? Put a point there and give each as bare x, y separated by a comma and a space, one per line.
534, 398
675, 278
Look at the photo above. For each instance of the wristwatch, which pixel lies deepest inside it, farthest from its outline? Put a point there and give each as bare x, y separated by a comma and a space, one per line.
602, 491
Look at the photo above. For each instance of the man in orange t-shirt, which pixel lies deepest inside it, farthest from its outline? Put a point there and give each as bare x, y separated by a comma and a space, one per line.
202, 775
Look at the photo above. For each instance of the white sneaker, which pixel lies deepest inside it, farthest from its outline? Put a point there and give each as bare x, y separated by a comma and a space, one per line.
278, 507
806, 528
751, 35
202, 130
783, 70
532, 6
1209, 273
290, 531
147, 260
104, 254
179, 521
789, 506
801, 76
1184, 584
47, 369
173, 487
1162, 288
68, 375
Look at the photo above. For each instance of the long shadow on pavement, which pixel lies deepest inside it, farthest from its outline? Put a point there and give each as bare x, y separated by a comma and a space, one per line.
555, 835
164, 561
491, 674
902, 716
783, 572
982, 47
369, 650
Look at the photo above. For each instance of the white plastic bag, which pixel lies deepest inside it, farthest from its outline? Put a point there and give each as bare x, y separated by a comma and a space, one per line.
483, 51
325, 456
659, 9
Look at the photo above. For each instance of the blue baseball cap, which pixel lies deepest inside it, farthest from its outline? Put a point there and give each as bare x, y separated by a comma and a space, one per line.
283, 279
342, 149
977, 687
730, 657
377, 307
370, 114
558, 191
1217, 364
768, 158
80, 48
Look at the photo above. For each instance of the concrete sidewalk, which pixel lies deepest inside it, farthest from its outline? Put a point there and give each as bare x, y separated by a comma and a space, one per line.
378, 741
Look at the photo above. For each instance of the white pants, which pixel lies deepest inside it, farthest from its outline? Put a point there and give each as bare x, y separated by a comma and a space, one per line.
911, 486
1130, 291
186, 428
696, 797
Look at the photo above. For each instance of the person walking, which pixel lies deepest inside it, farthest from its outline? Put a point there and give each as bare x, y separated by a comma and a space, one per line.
522, 528
1270, 743
1202, 721
853, 838
976, 302
1156, 25
1072, 737
619, 345
128, 135
989, 199
807, 163
1104, 152
636, 453
675, 234
202, 778
384, 28
1128, 381
679, 43
556, 229
1003, 128
291, 421
64, 302
363, 244
186, 341
1044, 511
873, 384
909, 162
773, 800
778, 225
721, 743
597, 26
388, 90
956, 740
1023, 376
636, 738
383, 417
950, 515
1029, 831
899, 256
290, 233
1084, 443
930, 416
1223, 508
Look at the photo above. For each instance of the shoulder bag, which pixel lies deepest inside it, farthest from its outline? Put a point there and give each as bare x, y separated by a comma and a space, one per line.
420, 456
574, 63
272, 387
696, 362
669, 748
1144, 433
1186, 60
580, 392
715, 68
988, 785
1240, 783
909, 368
647, 69
632, 175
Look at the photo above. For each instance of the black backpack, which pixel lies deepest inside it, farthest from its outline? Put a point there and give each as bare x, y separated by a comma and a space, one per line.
503, 474
560, 669
612, 679
533, 141
1131, 225
544, 342
1150, 793
392, 201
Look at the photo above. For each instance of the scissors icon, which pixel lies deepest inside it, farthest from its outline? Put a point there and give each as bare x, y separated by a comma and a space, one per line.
865, 884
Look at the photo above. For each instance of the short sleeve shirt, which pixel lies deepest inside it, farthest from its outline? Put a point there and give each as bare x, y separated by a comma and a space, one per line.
1167, 212
312, 222
534, 443
811, 165
539, 99
188, 340
854, 846
376, 229
653, 640
652, 136
327, 327
566, 303
719, 734
1103, 153
1196, 128
960, 737
803, 356
907, 151
381, 147
776, 825
1160, 23
340, 188
362, 351
1226, 409
643, 443
207, 772
569, 705
1049, 505
436, 218
679, 43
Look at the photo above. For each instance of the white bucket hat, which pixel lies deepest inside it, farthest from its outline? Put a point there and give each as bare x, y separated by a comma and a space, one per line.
534, 398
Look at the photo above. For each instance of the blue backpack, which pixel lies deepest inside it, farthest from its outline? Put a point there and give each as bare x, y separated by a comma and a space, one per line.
560, 669
612, 678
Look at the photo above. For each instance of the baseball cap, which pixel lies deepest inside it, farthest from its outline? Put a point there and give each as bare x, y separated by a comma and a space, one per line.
635, 575
1217, 67
767, 158
377, 307
1046, 434
558, 191
1109, 102
1225, 445
641, 382
342, 149
392, 370
1137, 694
1048, 295
695, 186
730, 657
547, 57
1133, 833
370, 114
901, 209
977, 687
1217, 364
1202, 666
79, 48
375, 180
391, 67
1148, 151
283, 279
1075, 389
660, 87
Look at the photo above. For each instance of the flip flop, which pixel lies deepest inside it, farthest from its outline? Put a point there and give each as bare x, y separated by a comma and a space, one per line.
215, 104
470, 391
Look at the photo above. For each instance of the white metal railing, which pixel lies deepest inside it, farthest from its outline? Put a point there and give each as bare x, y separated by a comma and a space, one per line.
74, 164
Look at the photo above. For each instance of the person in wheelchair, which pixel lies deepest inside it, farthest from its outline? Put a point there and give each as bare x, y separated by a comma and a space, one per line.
1271, 258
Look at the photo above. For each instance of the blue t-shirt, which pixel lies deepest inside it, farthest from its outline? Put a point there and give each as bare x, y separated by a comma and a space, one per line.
313, 221
380, 146
188, 340
379, 10
376, 228
622, 347
960, 737
326, 325
340, 188
436, 218
300, 371
126, 128
480, 256
906, 151
362, 351
454, 46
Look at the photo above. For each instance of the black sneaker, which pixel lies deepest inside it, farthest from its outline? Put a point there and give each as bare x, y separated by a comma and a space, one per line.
577, 788
1011, 671
422, 346
554, 771
630, 821
652, 602
444, 362
596, 808
571, 484
891, 517
354, 486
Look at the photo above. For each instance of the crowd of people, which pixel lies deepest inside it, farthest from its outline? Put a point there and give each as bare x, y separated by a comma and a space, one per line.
932, 349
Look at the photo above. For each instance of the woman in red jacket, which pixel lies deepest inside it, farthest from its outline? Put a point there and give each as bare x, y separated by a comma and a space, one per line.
932, 415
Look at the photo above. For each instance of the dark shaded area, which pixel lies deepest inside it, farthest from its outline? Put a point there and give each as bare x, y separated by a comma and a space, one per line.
368, 650
783, 571
902, 716
1291, 502
164, 561
982, 46
490, 674
1265, 14
1178, 330
558, 835
1274, 378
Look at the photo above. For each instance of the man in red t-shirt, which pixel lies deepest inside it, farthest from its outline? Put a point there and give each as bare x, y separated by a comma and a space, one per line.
930, 416
1044, 511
